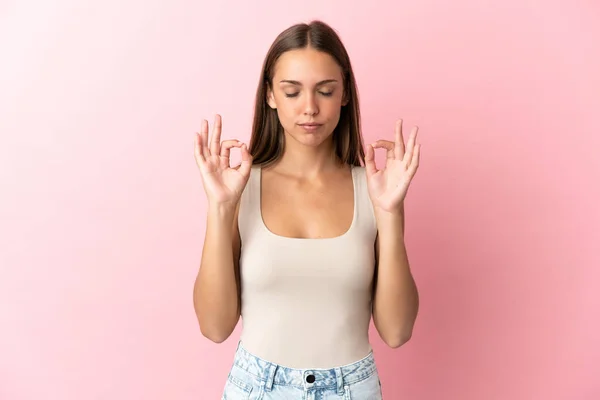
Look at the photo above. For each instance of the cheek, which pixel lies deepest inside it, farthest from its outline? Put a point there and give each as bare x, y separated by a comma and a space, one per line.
332, 109
287, 117
288, 110
285, 112
334, 105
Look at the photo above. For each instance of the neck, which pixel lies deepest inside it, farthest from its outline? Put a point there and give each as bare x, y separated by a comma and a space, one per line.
307, 161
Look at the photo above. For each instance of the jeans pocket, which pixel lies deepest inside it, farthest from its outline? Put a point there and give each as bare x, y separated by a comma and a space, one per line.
366, 389
236, 389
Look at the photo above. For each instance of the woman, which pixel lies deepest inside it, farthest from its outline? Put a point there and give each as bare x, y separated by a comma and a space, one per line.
302, 241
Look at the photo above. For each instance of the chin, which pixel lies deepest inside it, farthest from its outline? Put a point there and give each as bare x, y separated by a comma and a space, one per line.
310, 139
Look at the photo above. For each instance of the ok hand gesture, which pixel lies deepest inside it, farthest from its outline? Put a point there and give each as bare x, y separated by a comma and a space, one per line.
388, 186
222, 183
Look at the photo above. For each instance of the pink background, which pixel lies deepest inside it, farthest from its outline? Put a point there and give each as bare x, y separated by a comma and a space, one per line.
102, 211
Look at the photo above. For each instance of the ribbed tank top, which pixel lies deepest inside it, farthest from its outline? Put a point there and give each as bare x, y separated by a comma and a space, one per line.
306, 303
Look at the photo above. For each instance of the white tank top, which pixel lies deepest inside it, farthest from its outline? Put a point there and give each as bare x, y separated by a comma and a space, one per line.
306, 303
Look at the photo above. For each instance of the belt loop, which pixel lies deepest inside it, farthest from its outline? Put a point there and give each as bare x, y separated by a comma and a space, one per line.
271, 377
340, 381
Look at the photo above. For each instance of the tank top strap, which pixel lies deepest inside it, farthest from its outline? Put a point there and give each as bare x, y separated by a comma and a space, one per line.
365, 211
249, 213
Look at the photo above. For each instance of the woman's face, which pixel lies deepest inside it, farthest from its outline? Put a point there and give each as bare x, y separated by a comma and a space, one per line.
308, 93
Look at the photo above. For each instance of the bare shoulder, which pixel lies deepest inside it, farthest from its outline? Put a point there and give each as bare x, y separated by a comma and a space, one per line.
360, 170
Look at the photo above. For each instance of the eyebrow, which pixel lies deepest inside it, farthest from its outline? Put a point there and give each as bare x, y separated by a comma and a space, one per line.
300, 84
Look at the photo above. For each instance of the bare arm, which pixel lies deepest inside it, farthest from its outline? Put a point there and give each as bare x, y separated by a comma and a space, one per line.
396, 299
217, 290
217, 287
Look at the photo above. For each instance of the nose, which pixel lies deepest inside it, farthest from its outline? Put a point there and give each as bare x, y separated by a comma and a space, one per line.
311, 107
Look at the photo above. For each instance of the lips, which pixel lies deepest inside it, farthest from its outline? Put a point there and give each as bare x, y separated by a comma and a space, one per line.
311, 127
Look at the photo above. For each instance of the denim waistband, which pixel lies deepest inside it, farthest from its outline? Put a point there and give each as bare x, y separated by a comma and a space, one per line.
272, 373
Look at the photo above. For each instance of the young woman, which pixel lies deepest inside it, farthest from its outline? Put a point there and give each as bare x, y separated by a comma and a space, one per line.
303, 241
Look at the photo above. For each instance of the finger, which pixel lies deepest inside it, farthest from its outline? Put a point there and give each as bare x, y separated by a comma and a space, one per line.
204, 139
226, 147
410, 146
385, 144
198, 149
399, 141
415, 160
370, 166
215, 139
246, 164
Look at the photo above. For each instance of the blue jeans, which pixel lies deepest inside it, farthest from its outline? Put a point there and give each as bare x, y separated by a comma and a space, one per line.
252, 378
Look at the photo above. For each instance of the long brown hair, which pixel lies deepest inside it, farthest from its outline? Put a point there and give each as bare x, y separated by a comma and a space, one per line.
267, 141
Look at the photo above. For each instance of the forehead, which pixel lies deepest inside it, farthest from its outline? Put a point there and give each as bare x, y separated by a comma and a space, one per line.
306, 65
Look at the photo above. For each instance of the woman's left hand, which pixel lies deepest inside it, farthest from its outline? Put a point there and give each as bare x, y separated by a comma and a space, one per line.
388, 186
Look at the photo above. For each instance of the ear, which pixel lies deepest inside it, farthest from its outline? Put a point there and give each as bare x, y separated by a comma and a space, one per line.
271, 98
345, 99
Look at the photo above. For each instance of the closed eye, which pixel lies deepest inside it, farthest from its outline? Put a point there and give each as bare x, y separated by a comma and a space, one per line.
326, 94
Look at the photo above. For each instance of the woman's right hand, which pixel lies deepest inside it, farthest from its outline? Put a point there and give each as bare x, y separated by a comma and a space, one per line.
222, 184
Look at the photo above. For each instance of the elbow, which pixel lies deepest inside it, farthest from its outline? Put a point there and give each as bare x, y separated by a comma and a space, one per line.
214, 335
396, 341
216, 338
216, 331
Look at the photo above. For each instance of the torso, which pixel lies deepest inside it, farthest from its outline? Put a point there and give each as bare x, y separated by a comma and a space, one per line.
306, 266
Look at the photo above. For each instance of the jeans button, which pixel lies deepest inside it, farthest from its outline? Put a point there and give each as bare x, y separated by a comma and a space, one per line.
310, 378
